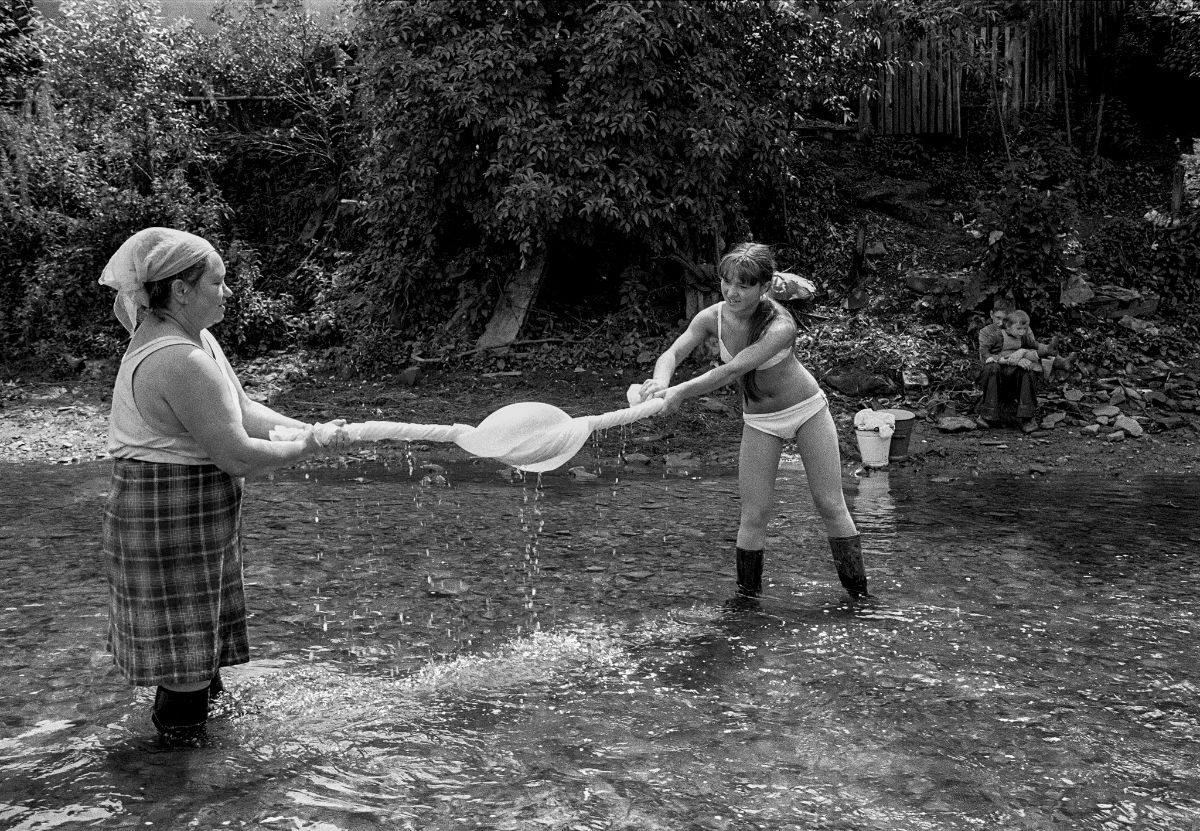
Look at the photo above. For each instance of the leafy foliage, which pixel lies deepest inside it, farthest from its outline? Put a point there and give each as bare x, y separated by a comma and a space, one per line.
103, 145
1155, 260
1022, 230
276, 87
1181, 18
616, 132
102, 150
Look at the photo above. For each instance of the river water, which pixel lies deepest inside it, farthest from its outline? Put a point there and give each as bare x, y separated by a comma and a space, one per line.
459, 649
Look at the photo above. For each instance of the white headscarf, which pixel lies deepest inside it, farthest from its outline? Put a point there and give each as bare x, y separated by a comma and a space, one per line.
149, 255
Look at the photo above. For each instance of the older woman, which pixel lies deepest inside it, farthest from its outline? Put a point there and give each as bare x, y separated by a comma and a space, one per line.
182, 434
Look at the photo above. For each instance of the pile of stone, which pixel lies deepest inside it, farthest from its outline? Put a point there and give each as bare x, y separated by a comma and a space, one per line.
1156, 396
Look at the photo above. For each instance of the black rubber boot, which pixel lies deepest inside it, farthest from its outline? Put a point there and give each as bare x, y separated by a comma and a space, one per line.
847, 556
180, 716
216, 688
749, 572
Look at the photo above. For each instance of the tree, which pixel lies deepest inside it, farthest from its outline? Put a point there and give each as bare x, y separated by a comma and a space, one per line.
501, 133
107, 138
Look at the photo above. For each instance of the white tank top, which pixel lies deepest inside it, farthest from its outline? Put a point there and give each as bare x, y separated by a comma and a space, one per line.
129, 434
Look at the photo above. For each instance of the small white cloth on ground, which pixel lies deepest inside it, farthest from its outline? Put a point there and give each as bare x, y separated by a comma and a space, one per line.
875, 421
530, 436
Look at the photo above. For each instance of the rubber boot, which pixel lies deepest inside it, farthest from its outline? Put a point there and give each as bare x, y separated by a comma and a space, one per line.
847, 556
215, 687
749, 572
180, 716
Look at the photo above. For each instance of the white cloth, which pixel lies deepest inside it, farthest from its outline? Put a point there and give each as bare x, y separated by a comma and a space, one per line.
786, 423
529, 436
875, 421
793, 286
149, 255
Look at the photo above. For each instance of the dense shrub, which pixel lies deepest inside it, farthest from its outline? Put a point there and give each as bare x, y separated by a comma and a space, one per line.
104, 142
608, 134
1157, 259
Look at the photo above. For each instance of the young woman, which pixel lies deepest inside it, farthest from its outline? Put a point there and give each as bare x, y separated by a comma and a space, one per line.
780, 400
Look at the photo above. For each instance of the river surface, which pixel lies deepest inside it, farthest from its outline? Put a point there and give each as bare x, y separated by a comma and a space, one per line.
459, 649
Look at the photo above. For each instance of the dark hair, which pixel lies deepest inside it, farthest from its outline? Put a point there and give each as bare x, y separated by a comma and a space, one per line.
1003, 304
159, 292
752, 263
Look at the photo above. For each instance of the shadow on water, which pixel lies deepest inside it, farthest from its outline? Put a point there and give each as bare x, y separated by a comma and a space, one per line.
460, 650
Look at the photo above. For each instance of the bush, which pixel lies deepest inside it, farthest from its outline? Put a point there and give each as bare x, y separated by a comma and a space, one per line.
1153, 259
106, 144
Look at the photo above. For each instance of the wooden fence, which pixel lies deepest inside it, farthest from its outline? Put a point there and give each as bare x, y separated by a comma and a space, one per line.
1021, 65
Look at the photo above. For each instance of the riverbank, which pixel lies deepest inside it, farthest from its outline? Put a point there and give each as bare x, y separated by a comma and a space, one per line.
64, 422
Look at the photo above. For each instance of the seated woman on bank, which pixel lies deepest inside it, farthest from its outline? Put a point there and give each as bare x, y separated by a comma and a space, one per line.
1008, 382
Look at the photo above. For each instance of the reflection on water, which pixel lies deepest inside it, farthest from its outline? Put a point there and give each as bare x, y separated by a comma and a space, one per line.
494, 654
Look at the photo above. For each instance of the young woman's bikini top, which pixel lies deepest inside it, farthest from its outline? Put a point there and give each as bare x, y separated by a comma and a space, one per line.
726, 356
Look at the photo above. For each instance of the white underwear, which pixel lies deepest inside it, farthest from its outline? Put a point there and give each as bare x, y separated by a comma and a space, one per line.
787, 423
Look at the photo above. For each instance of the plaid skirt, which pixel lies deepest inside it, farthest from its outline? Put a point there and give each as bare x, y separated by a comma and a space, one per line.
173, 558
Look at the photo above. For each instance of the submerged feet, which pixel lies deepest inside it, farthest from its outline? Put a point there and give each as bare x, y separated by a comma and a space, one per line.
749, 572
180, 717
847, 557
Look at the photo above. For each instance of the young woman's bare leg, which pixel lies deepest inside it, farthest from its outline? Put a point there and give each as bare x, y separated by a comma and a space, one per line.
818, 445
758, 464
817, 442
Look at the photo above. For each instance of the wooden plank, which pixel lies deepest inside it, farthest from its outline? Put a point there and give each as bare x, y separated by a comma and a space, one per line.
915, 89
939, 91
935, 86
1033, 64
885, 102
1021, 59
889, 97
926, 88
947, 90
958, 74
914, 74
951, 89
929, 101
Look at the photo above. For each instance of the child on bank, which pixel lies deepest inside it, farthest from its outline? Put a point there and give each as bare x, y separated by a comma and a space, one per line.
1019, 346
1013, 349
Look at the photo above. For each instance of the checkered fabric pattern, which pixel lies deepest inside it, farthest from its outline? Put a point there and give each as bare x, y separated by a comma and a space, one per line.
173, 558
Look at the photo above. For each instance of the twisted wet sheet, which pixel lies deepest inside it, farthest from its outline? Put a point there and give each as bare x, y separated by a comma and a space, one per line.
529, 435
